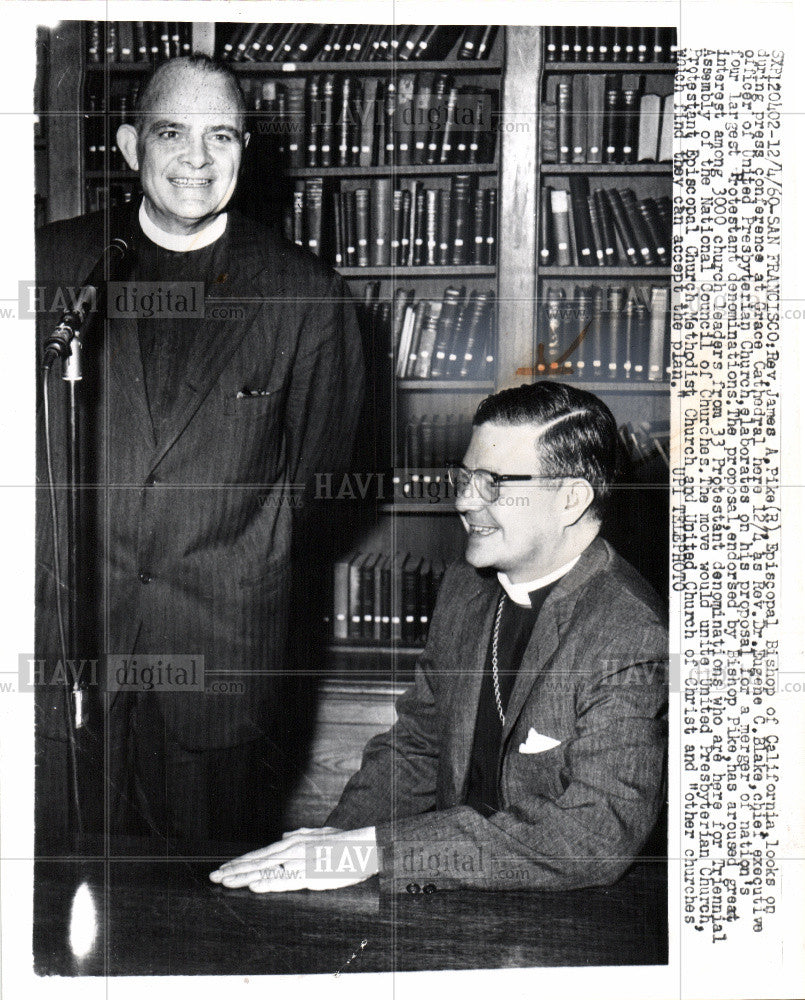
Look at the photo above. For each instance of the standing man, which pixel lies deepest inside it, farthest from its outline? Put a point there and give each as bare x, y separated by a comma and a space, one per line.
530, 751
202, 434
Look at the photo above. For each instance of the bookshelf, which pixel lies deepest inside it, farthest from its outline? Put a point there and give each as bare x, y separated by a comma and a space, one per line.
426, 416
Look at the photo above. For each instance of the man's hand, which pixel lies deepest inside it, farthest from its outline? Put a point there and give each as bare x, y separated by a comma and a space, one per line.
307, 858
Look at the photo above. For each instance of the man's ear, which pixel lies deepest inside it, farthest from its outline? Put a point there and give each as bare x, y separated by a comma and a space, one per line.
578, 496
246, 137
127, 144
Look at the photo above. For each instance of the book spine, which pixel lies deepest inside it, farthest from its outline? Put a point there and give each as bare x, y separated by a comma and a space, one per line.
362, 227
460, 204
560, 214
380, 224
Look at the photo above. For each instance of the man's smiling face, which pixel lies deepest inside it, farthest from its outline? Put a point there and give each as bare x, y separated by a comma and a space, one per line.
188, 149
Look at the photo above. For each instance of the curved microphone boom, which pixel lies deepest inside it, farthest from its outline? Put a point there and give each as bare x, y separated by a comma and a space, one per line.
63, 342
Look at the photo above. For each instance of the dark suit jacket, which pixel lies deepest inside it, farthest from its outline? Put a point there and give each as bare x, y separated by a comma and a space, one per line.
593, 678
192, 531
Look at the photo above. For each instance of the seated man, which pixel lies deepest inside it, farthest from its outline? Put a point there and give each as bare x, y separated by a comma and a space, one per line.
530, 750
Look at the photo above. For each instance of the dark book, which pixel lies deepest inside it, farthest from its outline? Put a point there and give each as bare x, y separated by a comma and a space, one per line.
577, 44
338, 231
284, 47
644, 44
405, 238
438, 44
341, 598
657, 347
630, 119
350, 228
437, 120
447, 150
605, 230
362, 227
396, 228
256, 48
470, 41
564, 119
591, 43
431, 225
381, 222
389, 122
176, 39
112, 49
549, 135
397, 561
640, 338
585, 245
664, 212
612, 122
426, 437
626, 235
595, 337
270, 40
343, 151
355, 620
551, 335
367, 595
487, 41
243, 44
326, 115
383, 600
408, 45
637, 224
605, 41
579, 104
418, 226
445, 329
566, 43
616, 298
95, 47
295, 110
460, 200
491, 226
427, 341
475, 344
410, 580
140, 42
455, 351
552, 43
423, 601
581, 330
422, 104
369, 118
629, 44
628, 336
357, 50
479, 222
486, 355
313, 204
651, 218
596, 85
443, 228
616, 49
404, 118
313, 120
125, 34
152, 29
547, 243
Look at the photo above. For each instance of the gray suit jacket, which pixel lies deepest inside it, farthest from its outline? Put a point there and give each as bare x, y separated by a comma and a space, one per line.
593, 679
190, 530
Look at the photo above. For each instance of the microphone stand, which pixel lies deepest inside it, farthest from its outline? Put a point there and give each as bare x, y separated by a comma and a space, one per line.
65, 344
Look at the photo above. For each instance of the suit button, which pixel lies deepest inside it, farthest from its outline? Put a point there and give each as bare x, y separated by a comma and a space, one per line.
413, 888
151, 481
430, 887
145, 577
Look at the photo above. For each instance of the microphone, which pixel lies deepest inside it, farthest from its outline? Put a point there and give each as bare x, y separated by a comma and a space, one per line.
60, 344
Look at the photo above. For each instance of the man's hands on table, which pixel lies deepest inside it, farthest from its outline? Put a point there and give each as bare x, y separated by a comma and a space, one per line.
308, 858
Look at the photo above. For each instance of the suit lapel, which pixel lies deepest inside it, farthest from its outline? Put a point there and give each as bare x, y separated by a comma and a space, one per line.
551, 621
128, 383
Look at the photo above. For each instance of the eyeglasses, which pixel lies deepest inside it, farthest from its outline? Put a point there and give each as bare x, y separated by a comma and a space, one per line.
486, 483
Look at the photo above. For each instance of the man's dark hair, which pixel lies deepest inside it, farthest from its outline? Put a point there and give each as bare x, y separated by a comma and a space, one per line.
579, 436
198, 62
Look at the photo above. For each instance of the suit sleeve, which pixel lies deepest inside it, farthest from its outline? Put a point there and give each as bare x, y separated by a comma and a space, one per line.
327, 388
585, 836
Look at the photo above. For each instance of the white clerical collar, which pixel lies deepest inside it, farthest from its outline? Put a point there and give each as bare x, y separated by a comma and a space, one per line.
183, 242
519, 592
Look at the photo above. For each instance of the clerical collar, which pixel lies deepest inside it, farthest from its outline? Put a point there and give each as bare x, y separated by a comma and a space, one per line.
182, 242
520, 592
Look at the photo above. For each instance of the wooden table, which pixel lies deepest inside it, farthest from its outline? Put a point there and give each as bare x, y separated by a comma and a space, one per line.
163, 916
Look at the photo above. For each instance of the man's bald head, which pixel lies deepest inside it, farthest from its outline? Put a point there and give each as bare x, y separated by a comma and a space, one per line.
169, 75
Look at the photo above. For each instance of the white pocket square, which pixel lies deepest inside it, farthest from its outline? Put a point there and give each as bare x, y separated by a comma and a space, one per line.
537, 743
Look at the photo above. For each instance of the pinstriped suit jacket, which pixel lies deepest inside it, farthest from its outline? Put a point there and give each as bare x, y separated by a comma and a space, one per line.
593, 678
206, 510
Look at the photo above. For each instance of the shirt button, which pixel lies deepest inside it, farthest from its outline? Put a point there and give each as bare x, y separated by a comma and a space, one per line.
413, 888
430, 887
145, 577
151, 481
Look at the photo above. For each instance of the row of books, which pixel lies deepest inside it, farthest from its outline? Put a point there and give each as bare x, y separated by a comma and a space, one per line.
385, 598
100, 197
644, 441
100, 126
434, 441
604, 227
598, 118
292, 43
612, 332
590, 44
329, 120
138, 41
377, 226
449, 339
